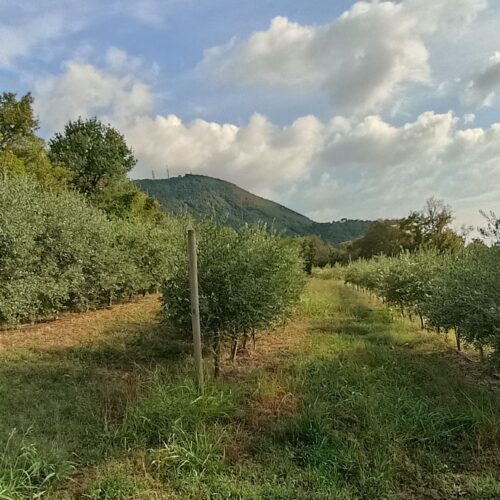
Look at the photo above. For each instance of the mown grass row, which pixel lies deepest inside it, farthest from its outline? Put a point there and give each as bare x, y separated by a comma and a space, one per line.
361, 406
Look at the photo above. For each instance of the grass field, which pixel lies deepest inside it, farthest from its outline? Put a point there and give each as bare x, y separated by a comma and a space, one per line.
346, 402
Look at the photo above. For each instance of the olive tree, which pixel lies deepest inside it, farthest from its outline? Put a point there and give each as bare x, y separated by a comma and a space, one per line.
57, 253
450, 290
248, 280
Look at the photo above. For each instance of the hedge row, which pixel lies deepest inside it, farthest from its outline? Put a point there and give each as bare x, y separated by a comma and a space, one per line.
459, 291
57, 253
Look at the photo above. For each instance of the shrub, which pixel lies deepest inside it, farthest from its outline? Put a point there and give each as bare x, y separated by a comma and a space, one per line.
58, 253
248, 280
454, 290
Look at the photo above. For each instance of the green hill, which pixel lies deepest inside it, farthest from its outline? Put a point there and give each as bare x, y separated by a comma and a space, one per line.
202, 196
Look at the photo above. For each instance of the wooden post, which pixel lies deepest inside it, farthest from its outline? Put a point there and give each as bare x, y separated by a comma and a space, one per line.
457, 337
195, 307
481, 354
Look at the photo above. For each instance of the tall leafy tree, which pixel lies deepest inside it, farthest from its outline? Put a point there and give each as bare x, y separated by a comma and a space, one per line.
17, 120
383, 237
436, 220
315, 252
96, 154
21, 151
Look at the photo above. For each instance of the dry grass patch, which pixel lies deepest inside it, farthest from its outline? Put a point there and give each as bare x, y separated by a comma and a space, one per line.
272, 401
124, 479
79, 329
273, 349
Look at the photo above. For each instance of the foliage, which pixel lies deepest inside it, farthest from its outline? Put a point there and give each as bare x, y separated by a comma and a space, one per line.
124, 199
492, 229
39, 168
17, 120
456, 290
382, 237
335, 272
95, 153
88, 155
248, 280
429, 228
21, 151
10, 164
99, 159
204, 197
315, 252
57, 253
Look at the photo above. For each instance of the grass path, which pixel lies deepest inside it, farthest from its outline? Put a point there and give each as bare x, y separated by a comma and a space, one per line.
345, 402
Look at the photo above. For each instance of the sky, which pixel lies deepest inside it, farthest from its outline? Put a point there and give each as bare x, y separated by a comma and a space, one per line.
334, 108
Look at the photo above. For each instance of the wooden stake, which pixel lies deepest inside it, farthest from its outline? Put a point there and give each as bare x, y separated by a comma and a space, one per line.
195, 307
457, 337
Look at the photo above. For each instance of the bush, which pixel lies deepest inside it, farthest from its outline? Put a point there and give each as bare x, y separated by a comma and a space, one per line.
248, 280
454, 290
335, 272
59, 254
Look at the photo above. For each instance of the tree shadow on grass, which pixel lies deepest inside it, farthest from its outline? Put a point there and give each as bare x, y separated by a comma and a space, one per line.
69, 400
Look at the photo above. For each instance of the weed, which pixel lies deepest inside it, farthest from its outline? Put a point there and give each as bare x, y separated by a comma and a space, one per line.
194, 453
176, 404
25, 472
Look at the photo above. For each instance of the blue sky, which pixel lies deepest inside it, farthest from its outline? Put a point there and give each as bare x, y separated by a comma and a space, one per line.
336, 109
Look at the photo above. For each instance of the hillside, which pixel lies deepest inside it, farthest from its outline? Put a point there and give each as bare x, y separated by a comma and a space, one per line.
202, 196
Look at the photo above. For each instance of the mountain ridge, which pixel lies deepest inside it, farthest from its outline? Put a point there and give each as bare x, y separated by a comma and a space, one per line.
203, 196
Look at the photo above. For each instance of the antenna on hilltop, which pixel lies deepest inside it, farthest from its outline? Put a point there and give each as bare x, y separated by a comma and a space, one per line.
168, 171
153, 174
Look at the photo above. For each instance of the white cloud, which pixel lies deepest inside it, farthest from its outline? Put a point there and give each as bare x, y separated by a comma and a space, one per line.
360, 59
257, 155
374, 143
365, 165
84, 90
483, 89
150, 12
468, 118
363, 168
370, 169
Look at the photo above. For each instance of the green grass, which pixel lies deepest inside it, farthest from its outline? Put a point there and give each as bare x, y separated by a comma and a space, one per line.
25, 472
364, 406
111, 487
